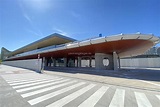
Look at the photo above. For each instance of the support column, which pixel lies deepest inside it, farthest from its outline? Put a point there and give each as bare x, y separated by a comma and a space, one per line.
79, 61
65, 62
90, 62
119, 62
43, 63
76, 62
50, 61
54, 61
99, 57
115, 57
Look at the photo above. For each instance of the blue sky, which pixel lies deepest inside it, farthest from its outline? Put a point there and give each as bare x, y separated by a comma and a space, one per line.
25, 21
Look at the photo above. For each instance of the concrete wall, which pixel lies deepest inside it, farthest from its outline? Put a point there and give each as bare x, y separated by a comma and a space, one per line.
141, 62
99, 63
33, 64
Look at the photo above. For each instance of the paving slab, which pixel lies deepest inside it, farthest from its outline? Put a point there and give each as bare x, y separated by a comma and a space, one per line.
127, 78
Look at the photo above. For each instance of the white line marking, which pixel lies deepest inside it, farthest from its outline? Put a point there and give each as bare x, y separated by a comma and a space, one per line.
94, 98
8, 72
53, 94
151, 83
71, 97
26, 85
19, 77
24, 80
40, 86
158, 96
118, 98
45, 89
29, 81
27, 78
142, 100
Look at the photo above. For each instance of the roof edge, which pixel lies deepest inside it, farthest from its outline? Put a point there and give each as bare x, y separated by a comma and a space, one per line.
45, 38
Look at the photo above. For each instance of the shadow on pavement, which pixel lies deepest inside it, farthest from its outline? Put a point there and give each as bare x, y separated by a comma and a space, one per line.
141, 74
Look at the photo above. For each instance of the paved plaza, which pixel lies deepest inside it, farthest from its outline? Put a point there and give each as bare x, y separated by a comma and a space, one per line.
26, 88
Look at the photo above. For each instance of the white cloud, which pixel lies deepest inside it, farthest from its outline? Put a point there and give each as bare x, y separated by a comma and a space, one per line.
24, 12
60, 31
35, 32
27, 17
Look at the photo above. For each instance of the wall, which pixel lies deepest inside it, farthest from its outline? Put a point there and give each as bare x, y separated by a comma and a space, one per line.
141, 62
99, 61
33, 64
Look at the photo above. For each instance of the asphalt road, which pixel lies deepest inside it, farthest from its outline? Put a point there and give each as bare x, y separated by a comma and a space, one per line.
24, 88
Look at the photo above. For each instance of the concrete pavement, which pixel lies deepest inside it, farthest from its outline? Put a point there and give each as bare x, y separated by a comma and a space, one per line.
25, 88
141, 79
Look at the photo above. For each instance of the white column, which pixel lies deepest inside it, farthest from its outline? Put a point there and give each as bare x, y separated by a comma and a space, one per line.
65, 62
76, 62
115, 57
54, 61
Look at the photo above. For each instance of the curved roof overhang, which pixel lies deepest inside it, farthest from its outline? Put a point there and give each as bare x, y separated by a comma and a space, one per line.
126, 45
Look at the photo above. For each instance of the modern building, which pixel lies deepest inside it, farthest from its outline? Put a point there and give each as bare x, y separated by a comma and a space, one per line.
153, 51
102, 52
